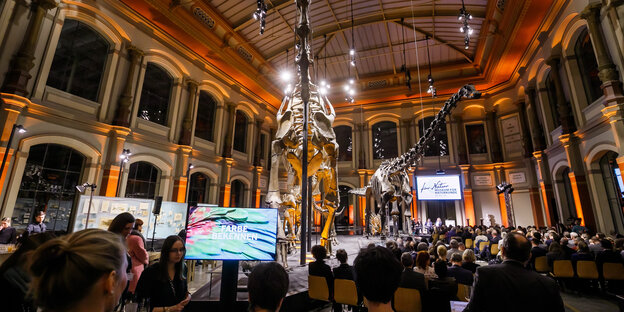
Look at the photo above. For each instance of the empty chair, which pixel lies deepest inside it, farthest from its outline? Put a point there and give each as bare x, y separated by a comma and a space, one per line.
463, 292
563, 269
317, 288
613, 271
469, 243
586, 269
345, 292
407, 300
494, 249
541, 265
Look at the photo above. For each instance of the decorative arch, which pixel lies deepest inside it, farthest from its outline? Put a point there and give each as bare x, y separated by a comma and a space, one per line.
243, 179
213, 176
597, 151
563, 29
425, 112
167, 62
573, 30
86, 149
164, 167
521, 93
342, 121
347, 184
248, 108
537, 64
559, 167
503, 101
383, 117
215, 90
543, 71
95, 18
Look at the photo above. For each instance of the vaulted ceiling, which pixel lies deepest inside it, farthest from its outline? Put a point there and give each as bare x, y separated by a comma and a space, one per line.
225, 35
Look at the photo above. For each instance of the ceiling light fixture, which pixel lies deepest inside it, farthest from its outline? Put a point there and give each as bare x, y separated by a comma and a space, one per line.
324, 85
350, 86
408, 75
432, 89
260, 14
286, 77
464, 17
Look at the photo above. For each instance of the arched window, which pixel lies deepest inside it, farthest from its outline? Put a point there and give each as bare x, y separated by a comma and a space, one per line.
569, 196
142, 180
438, 146
200, 187
240, 132
49, 184
206, 108
79, 61
345, 143
614, 185
551, 91
588, 67
154, 104
237, 194
347, 216
385, 140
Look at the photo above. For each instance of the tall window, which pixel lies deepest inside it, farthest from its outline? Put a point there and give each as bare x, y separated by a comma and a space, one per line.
438, 146
614, 185
567, 186
588, 67
206, 108
551, 91
240, 132
79, 61
385, 140
263, 139
345, 143
347, 216
49, 184
200, 186
237, 194
142, 180
155, 95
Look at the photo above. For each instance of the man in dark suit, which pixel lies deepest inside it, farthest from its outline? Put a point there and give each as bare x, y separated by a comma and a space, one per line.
507, 286
536, 251
409, 278
460, 274
320, 268
344, 270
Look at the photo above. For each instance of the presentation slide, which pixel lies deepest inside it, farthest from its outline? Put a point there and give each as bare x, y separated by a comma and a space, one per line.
218, 233
439, 187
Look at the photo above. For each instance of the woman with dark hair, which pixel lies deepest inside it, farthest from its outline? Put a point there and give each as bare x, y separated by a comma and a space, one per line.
14, 277
555, 252
164, 283
122, 224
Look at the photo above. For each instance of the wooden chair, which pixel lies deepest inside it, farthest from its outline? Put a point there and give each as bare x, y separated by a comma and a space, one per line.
586, 269
345, 292
407, 300
482, 245
463, 292
494, 249
317, 288
469, 243
613, 271
563, 269
541, 265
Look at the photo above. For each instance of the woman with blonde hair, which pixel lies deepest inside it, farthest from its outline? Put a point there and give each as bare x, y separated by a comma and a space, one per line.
83, 271
442, 252
468, 261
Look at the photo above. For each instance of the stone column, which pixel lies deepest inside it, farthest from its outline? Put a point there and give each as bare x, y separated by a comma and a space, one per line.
112, 163
365, 215
187, 123
499, 174
229, 130
495, 146
414, 205
17, 77
180, 178
545, 186
224, 191
469, 210
527, 146
11, 108
565, 113
255, 195
361, 129
124, 105
257, 159
578, 180
537, 133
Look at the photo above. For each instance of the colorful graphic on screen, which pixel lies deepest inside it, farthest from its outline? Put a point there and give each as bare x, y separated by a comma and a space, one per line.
217, 233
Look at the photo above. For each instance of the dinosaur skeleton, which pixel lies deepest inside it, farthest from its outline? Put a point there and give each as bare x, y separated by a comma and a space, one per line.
390, 182
288, 146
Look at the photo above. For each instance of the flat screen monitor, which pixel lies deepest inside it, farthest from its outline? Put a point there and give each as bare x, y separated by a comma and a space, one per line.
218, 233
439, 187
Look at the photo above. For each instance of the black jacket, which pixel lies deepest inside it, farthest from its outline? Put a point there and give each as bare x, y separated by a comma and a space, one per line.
160, 292
508, 286
319, 268
344, 271
461, 275
414, 280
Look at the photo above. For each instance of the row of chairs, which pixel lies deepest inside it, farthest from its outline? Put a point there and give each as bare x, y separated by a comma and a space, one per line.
493, 248
345, 292
585, 269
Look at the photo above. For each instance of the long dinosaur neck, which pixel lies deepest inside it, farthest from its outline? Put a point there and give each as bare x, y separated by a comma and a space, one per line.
414, 154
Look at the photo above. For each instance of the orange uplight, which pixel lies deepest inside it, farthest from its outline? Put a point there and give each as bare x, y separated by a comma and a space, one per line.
317, 218
545, 202
362, 210
577, 198
350, 214
257, 198
6, 168
226, 195
503, 209
469, 207
110, 181
179, 190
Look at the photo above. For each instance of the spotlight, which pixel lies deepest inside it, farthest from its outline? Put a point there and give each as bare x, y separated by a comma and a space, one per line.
20, 129
346, 88
352, 63
351, 81
352, 92
352, 52
288, 89
286, 76
323, 91
322, 83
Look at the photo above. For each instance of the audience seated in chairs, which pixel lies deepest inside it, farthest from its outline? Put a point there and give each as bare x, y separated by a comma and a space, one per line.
423, 265
555, 252
267, 286
454, 244
378, 275
441, 290
536, 251
510, 287
608, 255
409, 278
582, 253
320, 268
344, 270
461, 275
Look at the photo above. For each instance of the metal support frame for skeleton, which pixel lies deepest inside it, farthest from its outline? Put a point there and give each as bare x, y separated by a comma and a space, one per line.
506, 189
390, 182
305, 108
